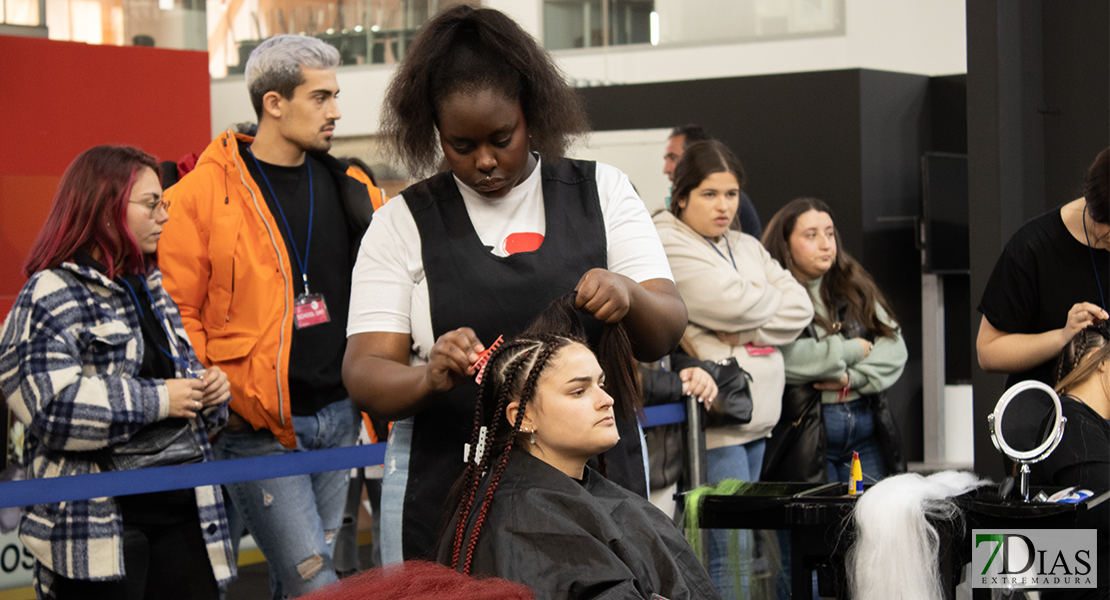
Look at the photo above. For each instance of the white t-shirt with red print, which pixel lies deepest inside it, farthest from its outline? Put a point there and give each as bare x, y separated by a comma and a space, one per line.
388, 289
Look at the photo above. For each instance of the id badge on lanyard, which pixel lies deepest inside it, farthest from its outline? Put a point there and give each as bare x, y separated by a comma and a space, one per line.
310, 310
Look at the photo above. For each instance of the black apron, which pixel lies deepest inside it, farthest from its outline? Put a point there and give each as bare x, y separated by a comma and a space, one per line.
470, 287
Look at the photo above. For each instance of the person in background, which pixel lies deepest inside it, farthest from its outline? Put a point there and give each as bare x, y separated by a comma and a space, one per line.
843, 364
1052, 281
259, 258
529, 509
477, 252
670, 381
747, 220
1083, 383
742, 305
92, 355
371, 431
839, 368
1083, 457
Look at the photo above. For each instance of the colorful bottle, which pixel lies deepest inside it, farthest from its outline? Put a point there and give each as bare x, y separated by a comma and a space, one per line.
855, 481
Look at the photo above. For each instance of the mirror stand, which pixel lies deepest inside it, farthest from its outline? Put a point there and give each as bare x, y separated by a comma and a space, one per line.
1047, 445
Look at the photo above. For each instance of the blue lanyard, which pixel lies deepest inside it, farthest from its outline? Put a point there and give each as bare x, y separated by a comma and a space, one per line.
718, 250
181, 362
311, 203
1094, 266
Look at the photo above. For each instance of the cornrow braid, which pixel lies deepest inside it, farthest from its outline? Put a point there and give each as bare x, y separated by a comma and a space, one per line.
506, 370
1079, 359
550, 345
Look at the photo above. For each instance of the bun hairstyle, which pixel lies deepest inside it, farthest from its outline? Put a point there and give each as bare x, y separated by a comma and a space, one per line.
1080, 358
467, 49
512, 374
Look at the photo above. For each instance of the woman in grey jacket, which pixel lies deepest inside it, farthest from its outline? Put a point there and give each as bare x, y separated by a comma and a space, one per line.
741, 304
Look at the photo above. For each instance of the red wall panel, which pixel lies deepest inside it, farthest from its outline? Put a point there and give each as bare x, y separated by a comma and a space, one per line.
61, 98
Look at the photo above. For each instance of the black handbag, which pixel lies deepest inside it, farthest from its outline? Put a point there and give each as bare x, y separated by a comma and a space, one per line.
733, 405
796, 449
167, 442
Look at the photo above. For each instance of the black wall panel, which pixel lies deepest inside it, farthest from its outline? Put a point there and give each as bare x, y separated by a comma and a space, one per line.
853, 138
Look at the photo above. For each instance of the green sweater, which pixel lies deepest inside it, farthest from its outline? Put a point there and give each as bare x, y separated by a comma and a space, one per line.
828, 356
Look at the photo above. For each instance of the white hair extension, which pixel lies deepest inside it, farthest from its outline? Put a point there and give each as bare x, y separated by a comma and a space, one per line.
895, 552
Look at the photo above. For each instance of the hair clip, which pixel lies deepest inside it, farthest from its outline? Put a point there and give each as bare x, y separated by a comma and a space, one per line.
483, 359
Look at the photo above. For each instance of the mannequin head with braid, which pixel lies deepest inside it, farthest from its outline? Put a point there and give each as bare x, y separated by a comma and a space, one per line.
545, 393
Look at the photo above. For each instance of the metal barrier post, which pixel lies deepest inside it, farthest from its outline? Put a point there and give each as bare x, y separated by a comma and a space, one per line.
696, 469
695, 444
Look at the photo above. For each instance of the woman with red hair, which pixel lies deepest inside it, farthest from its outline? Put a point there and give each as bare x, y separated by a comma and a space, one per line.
94, 361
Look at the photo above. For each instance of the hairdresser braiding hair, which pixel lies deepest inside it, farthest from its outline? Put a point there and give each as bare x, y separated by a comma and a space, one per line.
1080, 358
527, 357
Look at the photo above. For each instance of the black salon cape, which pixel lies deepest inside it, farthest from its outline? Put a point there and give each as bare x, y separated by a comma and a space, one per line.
1082, 459
591, 539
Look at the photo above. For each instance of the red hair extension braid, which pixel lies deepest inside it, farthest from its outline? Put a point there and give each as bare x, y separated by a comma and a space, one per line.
474, 469
526, 395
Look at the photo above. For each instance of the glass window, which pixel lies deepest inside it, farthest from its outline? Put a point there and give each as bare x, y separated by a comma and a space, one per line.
364, 31
594, 23
177, 24
20, 12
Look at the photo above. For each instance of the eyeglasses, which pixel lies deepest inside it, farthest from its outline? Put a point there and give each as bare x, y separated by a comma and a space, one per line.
154, 206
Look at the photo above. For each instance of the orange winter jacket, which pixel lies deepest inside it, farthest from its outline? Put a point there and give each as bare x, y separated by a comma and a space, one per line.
226, 265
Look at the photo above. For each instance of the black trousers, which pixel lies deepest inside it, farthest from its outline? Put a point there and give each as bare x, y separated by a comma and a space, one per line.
164, 558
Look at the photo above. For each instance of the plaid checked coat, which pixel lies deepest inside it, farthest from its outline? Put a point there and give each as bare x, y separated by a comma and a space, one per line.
69, 353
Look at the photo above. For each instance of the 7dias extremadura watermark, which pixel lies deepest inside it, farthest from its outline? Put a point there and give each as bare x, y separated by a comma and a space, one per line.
1034, 558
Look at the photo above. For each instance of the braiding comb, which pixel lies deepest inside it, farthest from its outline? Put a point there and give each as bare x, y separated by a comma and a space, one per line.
483, 358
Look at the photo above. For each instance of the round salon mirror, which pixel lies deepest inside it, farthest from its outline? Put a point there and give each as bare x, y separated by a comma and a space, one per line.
1027, 424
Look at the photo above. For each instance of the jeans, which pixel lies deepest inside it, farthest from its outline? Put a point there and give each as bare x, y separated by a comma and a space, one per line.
743, 462
346, 554
394, 482
294, 519
851, 427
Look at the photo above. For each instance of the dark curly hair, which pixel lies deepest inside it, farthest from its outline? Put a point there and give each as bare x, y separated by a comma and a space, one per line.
466, 49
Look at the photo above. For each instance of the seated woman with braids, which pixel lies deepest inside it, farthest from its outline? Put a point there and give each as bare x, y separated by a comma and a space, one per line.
529, 508
1083, 457
1083, 383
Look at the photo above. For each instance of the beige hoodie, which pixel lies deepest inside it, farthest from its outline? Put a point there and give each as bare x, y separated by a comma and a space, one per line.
758, 300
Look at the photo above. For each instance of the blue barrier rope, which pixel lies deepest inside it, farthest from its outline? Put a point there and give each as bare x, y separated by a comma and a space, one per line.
664, 414
161, 479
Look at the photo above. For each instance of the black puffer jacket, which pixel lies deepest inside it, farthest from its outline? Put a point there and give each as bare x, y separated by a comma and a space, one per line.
796, 449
